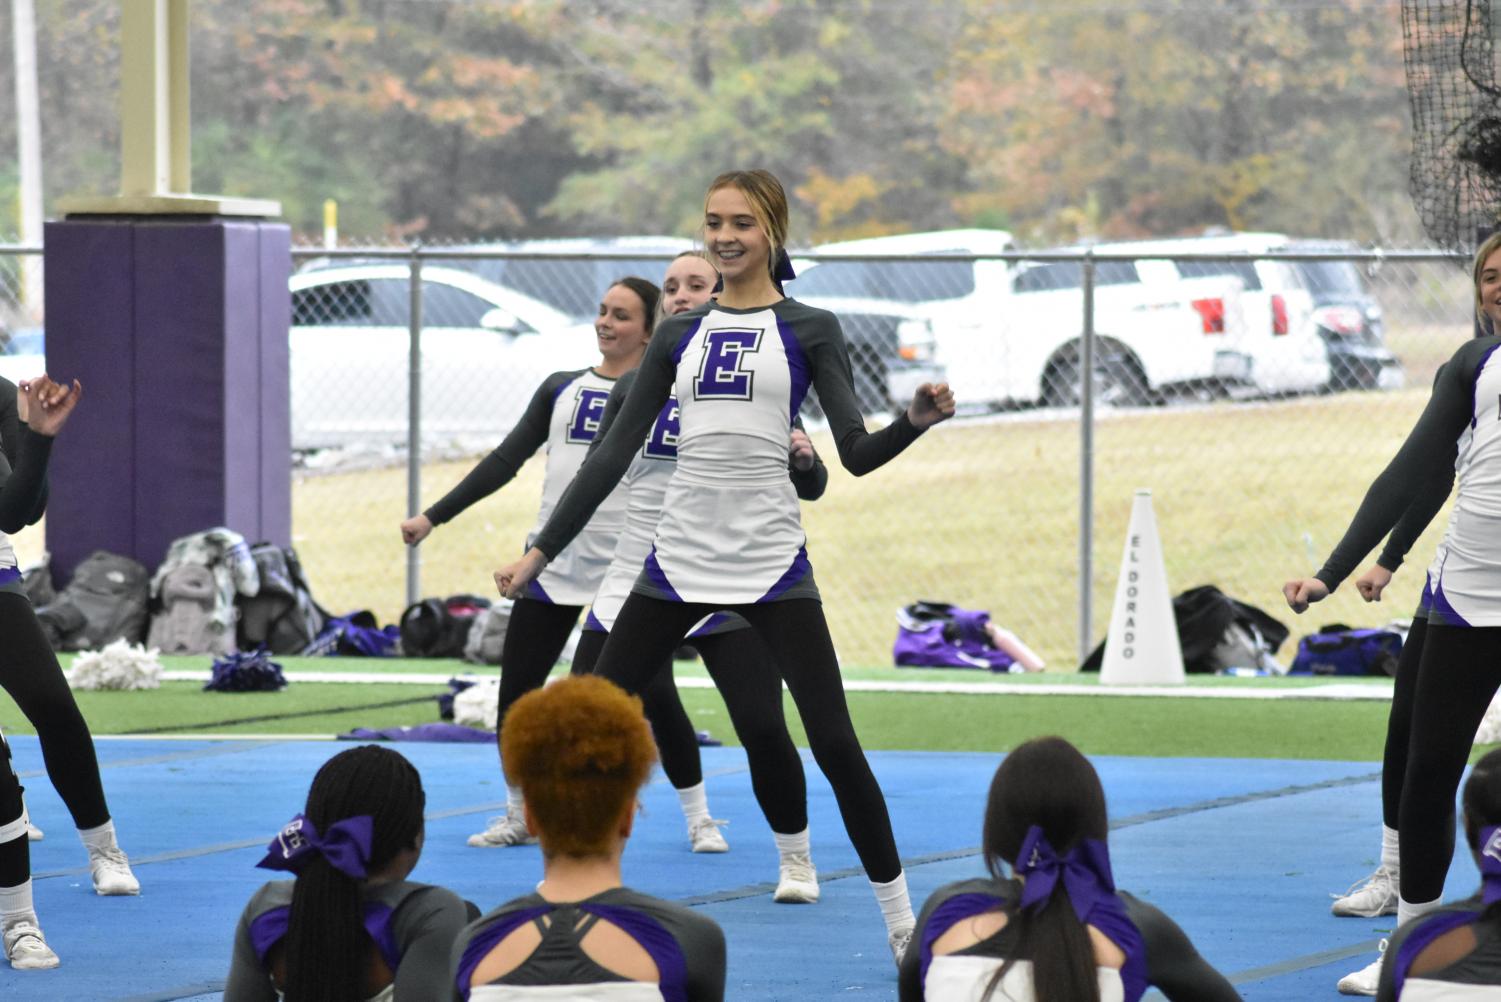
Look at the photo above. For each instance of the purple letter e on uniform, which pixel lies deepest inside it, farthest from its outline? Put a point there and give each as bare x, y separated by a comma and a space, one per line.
720, 376
588, 408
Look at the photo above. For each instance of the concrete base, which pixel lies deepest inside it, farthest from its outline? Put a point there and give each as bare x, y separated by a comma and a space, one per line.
178, 330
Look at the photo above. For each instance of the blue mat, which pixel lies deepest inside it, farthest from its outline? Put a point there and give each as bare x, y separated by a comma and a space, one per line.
1243, 853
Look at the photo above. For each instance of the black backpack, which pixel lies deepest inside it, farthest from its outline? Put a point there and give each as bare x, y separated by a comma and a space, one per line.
439, 627
105, 602
1215, 631
282, 616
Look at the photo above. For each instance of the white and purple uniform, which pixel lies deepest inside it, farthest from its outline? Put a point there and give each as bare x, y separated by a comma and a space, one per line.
730, 532
412, 925
564, 415
1475, 977
687, 947
1460, 430
645, 483
1158, 954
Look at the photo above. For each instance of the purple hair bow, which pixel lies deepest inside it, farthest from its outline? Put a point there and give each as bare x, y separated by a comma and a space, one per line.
346, 845
1490, 863
1084, 870
781, 269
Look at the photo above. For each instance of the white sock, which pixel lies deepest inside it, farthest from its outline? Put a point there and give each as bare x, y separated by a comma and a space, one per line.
896, 905
795, 844
695, 801
515, 802
15, 904
1389, 857
1408, 910
99, 839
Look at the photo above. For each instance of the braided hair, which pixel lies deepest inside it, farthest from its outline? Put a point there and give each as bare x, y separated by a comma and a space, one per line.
327, 948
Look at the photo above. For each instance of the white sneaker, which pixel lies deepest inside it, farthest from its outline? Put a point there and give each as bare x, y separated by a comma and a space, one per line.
111, 871
797, 883
706, 837
1365, 980
26, 949
1376, 895
508, 829
899, 941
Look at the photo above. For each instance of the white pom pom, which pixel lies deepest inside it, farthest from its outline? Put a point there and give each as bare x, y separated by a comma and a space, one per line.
478, 705
118, 666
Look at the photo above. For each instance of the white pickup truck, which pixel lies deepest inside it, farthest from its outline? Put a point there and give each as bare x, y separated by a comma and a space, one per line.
1004, 332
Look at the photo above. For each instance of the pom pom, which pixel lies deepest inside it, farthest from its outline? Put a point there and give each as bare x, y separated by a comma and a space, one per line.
248, 671
119, 665
478, 705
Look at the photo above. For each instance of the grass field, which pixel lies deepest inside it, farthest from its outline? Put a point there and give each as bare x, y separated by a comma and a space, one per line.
1115, 725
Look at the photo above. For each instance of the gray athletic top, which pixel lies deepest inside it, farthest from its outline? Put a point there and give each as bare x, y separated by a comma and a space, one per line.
645, 484
413, 926
1458, 437
563, 416
1157, 951
730, 532
1473, 978
687, 947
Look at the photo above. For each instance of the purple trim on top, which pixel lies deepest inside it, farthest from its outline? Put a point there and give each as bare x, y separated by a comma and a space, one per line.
1441, 612
1428, 930
658, 577
563, 386
1475, 385
534, 591
270, 927
486, 940
711, 624
664, 950
591, 622
9, 575
799, 569
1425, 601
797, 367
682, 345
949, 914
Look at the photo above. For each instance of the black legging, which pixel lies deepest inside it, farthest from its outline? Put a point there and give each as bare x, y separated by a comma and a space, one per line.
30, 675
797, 638
536, 635
1459, 670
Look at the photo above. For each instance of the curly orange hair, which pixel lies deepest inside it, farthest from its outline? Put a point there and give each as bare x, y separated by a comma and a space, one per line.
579, 749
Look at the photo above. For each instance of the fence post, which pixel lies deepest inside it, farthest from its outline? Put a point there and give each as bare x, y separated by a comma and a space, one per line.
414, 418
1086, 462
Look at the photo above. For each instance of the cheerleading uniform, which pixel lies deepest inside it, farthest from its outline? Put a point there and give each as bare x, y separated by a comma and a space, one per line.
29, 671
1474, 977
1459, 650
730, 537
1158, 954
411, 925
687, 947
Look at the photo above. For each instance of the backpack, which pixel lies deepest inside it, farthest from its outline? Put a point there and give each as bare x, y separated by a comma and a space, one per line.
185, 624
1215, 632
36, 581
439, 627
1339, 650
487, 635
356, 635
938, 635
105, 602
282, 615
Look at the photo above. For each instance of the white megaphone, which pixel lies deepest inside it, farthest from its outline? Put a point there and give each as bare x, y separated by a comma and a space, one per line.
1142, 646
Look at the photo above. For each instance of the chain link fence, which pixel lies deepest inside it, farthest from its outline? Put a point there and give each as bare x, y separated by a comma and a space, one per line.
1255, 394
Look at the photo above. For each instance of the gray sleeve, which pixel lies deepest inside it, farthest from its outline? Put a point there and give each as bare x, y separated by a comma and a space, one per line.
810, 483
613, 403
1415, 519
247, 981
426, 926
703, 945
1426, 456
23, 489
499, 467
1173, 965
860, 451
614, 449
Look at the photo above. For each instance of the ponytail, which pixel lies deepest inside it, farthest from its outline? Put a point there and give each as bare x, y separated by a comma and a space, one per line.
1060, 949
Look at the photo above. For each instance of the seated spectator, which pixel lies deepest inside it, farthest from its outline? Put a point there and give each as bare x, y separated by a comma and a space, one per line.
580, 750
351, 925
1455, 952
1056, 930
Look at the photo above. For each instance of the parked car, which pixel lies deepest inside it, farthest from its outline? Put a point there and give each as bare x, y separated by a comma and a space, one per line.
485, 348
1349, 319
1004, 333
1283, 350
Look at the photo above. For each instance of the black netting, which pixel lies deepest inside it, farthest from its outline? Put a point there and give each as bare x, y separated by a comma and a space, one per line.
1456, 117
